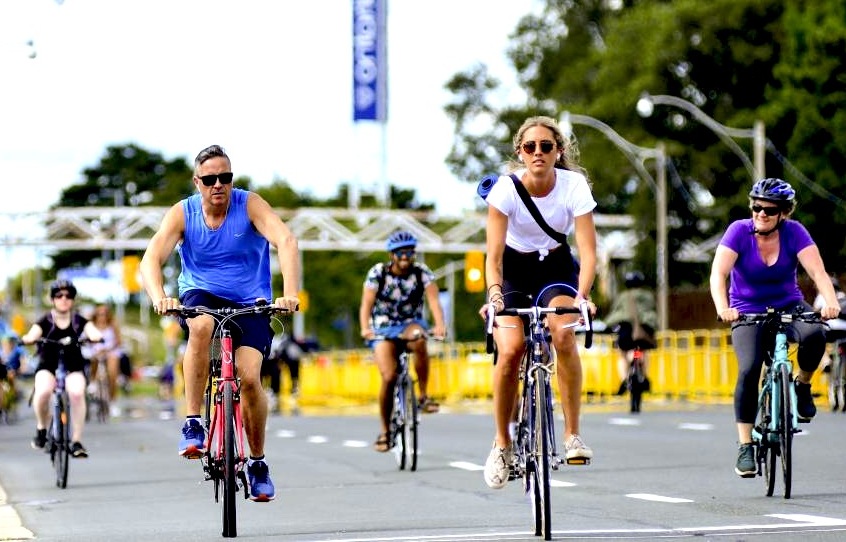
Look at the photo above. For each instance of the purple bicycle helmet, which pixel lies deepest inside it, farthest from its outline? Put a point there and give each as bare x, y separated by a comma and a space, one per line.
774, 190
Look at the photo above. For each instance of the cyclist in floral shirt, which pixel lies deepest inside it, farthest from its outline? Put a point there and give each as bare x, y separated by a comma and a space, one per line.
391, 306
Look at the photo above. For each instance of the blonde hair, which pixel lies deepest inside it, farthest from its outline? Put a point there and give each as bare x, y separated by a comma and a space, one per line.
567, 148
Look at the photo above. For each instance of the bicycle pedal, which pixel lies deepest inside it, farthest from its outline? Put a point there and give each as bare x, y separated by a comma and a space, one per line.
578, 461
805, 420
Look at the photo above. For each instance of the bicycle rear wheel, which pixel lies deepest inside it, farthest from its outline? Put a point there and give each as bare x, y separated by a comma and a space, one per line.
542, 506
230, 488
786, 430
60, 450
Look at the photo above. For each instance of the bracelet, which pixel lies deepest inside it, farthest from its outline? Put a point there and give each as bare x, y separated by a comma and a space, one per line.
492, 285
495, 297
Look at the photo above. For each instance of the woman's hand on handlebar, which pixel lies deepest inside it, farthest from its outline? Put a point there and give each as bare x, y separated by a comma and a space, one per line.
828, 312
497, 304
728, 315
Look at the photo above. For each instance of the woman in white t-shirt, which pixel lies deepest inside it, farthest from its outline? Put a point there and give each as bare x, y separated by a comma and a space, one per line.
522, 259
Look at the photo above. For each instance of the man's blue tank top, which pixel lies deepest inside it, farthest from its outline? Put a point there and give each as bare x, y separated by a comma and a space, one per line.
232, 261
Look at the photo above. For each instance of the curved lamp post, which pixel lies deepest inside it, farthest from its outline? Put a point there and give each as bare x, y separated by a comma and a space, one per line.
646, 105
637, 155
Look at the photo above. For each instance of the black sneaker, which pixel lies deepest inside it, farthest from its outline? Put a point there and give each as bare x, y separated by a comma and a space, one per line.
40, 439
745, 466
78, 450
805, 408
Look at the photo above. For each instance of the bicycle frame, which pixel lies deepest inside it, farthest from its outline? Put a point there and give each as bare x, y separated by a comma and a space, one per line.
535, 450
777, 419
224, 460
405, 417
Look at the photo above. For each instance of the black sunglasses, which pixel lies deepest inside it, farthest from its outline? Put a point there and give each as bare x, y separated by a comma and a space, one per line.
61, 295
209, 180
769, 211
407, 253
546, 146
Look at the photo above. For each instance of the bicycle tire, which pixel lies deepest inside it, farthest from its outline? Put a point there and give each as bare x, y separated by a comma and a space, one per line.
230, 487
767, 456
397, 430
412, 424
541, 443
61, 441
635, 391
530, 469
835, 382
786, 432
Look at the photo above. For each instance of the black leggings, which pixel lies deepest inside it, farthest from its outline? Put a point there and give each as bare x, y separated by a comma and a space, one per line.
751, 344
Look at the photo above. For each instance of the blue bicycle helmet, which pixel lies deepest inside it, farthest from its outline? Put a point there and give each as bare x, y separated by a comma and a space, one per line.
60, 285
401, 239
774, 190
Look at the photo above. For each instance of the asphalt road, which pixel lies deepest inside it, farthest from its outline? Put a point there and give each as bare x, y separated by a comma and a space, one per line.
664, 474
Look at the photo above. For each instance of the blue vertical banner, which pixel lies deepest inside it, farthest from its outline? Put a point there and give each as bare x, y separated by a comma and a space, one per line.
370, 66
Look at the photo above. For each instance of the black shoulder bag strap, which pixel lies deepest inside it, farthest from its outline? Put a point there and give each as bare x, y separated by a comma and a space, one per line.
533, 209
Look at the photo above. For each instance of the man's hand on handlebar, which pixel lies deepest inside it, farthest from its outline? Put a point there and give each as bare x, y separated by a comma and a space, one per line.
165, 304
289, 302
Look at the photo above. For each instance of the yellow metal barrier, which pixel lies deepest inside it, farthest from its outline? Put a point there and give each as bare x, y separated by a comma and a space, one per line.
690, 365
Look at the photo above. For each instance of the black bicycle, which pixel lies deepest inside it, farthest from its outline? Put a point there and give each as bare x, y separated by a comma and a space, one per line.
225, 457
58, 444
636, 380
535, 449
777, 420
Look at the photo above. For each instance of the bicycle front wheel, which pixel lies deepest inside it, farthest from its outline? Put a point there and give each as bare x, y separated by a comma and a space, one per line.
61, 441
412, 419
230, 488
786, 431
766, 448
542, 506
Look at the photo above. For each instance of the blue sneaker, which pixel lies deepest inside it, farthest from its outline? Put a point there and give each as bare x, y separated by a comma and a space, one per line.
261, 486
192, 445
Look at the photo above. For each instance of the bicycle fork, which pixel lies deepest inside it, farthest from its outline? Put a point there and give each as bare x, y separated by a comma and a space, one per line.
215, 439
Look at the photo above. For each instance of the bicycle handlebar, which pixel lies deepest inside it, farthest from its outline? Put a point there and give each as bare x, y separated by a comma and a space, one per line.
535, 313
64, 341
260, 307
749, 318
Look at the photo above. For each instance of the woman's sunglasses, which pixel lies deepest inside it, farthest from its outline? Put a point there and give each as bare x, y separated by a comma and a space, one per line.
546, 146
209, 180
63, 295
769, 211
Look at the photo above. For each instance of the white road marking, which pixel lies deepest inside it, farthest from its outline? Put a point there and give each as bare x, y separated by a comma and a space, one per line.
317, 439
10, 523
465, 465
656, 498
558, 483
697, 426
355, 444
624, 421
285, 433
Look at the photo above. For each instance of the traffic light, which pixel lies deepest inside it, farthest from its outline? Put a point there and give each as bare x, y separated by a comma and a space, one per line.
474, 271
131, 264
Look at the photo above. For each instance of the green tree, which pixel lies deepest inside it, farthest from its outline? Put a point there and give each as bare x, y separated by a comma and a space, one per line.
737, 60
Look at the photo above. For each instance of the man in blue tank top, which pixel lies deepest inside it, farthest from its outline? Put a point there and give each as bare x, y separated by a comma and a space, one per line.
223, 236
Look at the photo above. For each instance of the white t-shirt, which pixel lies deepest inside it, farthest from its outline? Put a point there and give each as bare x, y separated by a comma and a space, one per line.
569, 198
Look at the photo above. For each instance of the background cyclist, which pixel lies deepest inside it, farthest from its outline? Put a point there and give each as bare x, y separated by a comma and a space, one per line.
522, 258
761, 255
391, 305
61, 322
106, 356
224, 237
638, 297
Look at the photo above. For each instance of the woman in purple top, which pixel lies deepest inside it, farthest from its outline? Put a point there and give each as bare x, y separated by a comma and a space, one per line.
761, 256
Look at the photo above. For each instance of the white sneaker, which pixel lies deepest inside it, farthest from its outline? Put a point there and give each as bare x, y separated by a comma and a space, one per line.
497, 467
575, 448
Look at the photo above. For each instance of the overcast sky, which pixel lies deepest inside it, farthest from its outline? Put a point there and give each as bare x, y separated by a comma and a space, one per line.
269, 80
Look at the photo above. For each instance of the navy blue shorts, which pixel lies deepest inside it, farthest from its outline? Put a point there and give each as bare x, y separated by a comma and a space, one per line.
525, 276
247, 330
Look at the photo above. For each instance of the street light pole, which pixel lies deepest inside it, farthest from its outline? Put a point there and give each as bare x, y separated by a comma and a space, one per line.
637, 155
646, 105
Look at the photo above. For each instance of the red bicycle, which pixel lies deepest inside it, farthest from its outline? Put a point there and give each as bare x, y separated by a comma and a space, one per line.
225, 457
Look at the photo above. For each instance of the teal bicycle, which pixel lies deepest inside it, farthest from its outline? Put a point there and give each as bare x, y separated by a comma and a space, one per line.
777, 421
